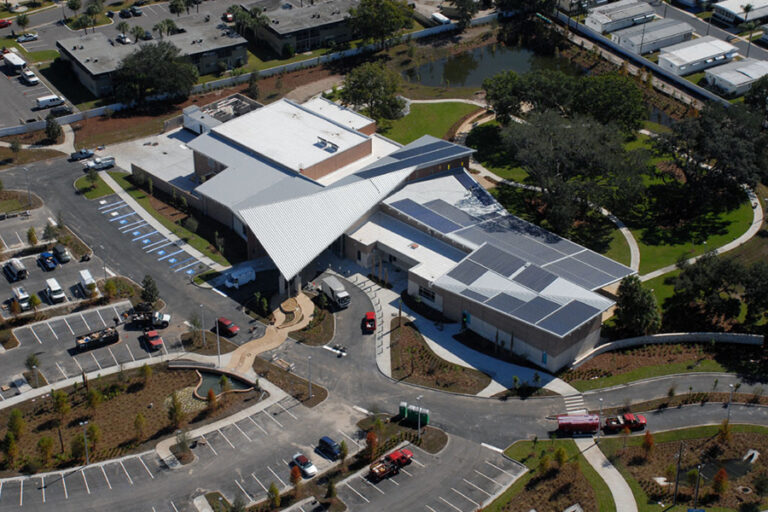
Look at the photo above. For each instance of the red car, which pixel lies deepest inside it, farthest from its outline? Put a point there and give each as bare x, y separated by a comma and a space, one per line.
400, 457
227, 17
5, 23
369, 322
227, 326
153, 339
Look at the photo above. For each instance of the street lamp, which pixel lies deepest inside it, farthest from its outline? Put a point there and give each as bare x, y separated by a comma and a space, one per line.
599, 419
698, 478
730, 397
202, 325
418, 416
37, 379
218, 344
309, 367
85, 439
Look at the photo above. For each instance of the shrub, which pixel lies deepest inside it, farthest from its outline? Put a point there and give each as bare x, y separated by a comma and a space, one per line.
720, 482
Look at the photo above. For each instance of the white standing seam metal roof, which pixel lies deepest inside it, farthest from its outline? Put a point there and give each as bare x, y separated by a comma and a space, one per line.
736, 7
620, 10
651, 32
296, 231
696, 50
740, 72
290, 135
338, 113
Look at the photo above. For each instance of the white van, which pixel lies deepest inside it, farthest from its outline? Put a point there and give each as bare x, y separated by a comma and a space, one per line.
49, 101
54, 291
87, 283
21, 296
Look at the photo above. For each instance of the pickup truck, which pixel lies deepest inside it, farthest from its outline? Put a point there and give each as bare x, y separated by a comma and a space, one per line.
617, 423
369, 323
100, 163
148, 318
97, 339
383, 469
400, 457
153, 340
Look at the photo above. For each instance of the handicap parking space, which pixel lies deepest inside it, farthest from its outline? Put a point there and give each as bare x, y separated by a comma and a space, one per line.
136, 231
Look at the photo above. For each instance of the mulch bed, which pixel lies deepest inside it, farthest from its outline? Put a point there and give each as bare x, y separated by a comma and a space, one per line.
413, 361
555, 490
124, 397
663, 455
319, 331
391, 431
193, 342
292, 384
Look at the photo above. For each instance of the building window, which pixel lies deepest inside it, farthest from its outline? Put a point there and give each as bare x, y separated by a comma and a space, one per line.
359, 256
426, 293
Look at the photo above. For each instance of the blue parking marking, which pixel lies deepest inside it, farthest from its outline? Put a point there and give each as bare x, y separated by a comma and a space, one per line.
133, 225
180, 262
123, 221
145, 241
115, 208
189, 272
136, 233
122, 216
144, 235
160, 252
169, 255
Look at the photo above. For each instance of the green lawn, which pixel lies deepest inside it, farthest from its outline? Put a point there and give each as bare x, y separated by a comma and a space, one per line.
486, 139
656, 127
30, 57
100, 188
662, 286
731, 225
191, 238
618, 250
647, 372
427, 118
695, 78
522, 451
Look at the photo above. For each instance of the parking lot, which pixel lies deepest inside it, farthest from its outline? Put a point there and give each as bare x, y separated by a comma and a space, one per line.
54, 343
19, 98
169, 255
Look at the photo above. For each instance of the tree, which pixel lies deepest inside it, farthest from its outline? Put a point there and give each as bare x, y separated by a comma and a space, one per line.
31, 362
378, 20
149, 291
11, 450
724, 432
92, 176
74, 5
50, 232
525, 9
94, 398
139, 423
32, 236
466, 10
691, 477
238, 505
177, 7
150, 186
612, 98
561, 456
225, 384
123, 27
331, 492
648, 443
22, 20
176, 413
296, 479
15, 148
274, 496
720, 482
504, 93
212, 404
343, 453
138, 33
34, 301
45, 450
371, 445
110, 288
77, 447
373, 86
153, 69
637, 313
748, 25
247, 21
755, 294
252, 91
544, 463
146, 373
16, 423
757, 96
94, 434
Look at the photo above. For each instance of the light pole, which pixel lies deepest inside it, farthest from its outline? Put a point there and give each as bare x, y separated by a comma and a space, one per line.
85, 439
29, 194
698, 478
202, 325
37, 379
730, 397
599, 419
418, 416
309, 367
218, 344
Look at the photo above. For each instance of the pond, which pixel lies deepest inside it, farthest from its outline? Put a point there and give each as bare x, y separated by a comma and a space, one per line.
736, 468
469, 69
212, 380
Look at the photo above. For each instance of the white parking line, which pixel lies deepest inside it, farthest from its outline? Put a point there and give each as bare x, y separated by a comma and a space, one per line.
466, 497
2, 240
130, 353
97, 362
155, 243
174, 507
257, 425
449, 503
406, 472
241, 431
105, 477
354, 491
393, 481
17, 236
273, 419
369, 483
130, 480
157, 248
476, 487
42, 486
127, 227
497, 467
250, 498
144, 235
77, 363
111, 204
21, 492
35, 335
62, 371
259, 482
195, 262
209, 444
145, 467
82, 472
225, 438
417, 463
486, 476
117, 315
64, 483
86, 323
68, 326
101, 318
52, 331
345, 435
113, 356
280, 479
430, 508
286, 410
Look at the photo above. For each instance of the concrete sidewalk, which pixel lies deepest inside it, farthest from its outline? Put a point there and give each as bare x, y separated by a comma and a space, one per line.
622, 494
156, 224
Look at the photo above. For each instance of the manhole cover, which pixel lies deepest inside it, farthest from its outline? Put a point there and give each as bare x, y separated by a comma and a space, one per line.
744, 490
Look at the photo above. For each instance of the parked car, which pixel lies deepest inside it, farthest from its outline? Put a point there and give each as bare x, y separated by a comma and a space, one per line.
24, 38
305, 465
80, 155
147, 36
153, 340
63, 110
29, 77
125, 13
47, 261
62, 253
329, 448
110, 14
5, 23
140, 2
100, 163
228, 17
136, 11
122, 38
227, 326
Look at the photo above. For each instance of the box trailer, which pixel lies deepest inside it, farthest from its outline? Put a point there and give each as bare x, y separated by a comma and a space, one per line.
335, 291
578, 424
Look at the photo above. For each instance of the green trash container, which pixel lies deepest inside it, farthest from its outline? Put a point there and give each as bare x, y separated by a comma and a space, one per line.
403, 410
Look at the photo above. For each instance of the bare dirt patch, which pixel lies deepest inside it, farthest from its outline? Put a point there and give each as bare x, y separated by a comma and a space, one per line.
292, 384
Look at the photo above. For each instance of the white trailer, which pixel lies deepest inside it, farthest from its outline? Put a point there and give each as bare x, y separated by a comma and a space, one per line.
335, 291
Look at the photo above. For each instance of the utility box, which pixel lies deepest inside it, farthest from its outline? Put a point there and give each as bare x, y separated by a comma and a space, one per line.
413, 413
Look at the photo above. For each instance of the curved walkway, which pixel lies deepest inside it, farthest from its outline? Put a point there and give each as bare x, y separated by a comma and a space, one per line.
66, 147
620, 490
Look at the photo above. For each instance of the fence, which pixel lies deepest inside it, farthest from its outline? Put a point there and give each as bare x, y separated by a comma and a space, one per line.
696, 337
68, 119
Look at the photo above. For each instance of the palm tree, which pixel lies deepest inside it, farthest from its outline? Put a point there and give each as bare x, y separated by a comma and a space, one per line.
74, 5
176, 6
22, 20
747, 25
159, 28
138, 33
122, 27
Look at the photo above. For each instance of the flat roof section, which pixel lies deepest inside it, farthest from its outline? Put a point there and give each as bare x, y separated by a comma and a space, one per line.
339, 113
654, 31
290, 135
740, 72
288, 16
695, 50
620, 10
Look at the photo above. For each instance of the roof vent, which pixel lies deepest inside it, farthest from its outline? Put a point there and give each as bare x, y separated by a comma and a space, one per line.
414, 245
95, 60
87, 59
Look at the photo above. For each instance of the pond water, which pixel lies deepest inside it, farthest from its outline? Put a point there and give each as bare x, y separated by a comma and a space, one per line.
736, 468
469, 69
212, 381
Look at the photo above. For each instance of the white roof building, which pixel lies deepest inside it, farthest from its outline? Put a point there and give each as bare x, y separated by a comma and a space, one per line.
732, 11
737, 77
618, 15
696, 55
652, 36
